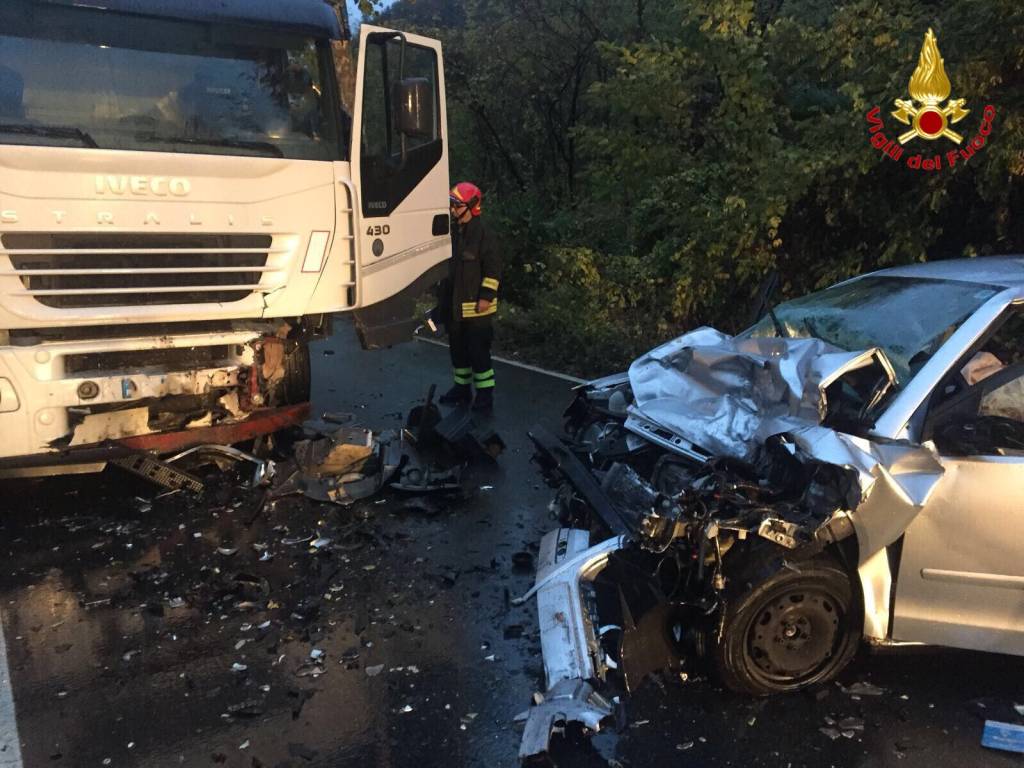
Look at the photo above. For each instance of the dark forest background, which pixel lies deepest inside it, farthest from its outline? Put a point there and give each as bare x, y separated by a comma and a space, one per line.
649, 163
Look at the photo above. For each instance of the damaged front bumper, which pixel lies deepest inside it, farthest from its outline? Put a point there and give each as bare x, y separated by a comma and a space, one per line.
573, 655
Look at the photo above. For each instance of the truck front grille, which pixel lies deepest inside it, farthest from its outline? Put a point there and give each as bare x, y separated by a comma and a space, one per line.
75, 270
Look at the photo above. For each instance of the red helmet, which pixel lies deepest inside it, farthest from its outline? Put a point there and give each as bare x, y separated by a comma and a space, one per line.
468, 194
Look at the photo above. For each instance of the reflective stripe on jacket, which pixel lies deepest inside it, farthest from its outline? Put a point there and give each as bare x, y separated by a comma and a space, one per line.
475, 270
468, 309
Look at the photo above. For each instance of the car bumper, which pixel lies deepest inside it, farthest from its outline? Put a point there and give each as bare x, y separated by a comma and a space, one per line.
573, 656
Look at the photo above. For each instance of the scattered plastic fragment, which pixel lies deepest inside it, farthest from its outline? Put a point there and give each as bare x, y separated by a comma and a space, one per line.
851, 724
1005, 736
862, 689
374, 670
236, 667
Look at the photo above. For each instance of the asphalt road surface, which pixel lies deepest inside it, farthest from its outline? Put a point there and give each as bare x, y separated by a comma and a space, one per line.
131, 640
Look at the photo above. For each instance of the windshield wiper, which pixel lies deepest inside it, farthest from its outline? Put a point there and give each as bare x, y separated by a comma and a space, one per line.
51, 131
780, 329
259, 146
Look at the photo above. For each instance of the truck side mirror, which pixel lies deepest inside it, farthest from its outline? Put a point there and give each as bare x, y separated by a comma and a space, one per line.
413, 100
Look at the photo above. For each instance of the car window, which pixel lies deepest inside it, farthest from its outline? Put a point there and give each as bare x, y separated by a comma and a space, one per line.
984, 419
908, 318
1006, 401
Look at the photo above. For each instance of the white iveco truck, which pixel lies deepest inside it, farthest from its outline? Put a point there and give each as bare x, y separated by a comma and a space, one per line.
187, 190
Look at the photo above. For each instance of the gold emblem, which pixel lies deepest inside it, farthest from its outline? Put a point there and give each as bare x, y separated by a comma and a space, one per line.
929, 86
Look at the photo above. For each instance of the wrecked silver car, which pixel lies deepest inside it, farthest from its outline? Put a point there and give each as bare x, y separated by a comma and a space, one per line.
850, 467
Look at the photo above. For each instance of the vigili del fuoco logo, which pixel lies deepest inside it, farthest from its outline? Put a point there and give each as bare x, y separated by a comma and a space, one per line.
930, 113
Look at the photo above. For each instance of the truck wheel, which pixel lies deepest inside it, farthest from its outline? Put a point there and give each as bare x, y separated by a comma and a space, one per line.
789, 630
294, 386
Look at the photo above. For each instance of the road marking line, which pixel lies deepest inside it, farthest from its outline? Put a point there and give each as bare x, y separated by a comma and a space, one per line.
514, 363
10, 744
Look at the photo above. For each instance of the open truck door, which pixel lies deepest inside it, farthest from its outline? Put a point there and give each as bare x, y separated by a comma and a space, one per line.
399, 181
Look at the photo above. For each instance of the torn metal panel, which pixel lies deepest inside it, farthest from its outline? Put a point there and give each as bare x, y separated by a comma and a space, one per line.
371, 475
727, 394
345, 450
572, 651
571, 701
896, 479
264, 468
112, 425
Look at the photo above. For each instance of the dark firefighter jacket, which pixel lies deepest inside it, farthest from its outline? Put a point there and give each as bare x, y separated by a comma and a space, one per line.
474, 272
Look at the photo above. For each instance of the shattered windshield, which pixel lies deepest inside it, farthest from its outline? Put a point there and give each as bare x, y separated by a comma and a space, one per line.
909, 318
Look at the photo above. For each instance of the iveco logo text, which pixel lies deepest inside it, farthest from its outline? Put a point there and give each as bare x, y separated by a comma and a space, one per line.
157, 186
377, 204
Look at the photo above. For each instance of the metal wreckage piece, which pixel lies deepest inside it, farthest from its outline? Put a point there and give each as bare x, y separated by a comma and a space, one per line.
344, 464
712, 457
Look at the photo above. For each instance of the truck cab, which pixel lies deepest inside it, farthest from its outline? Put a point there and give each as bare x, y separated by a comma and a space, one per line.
188, 191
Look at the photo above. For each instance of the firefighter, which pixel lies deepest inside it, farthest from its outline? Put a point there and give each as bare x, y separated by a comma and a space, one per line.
469, 300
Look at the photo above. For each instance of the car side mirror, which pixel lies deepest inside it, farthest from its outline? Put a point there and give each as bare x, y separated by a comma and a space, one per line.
414, 107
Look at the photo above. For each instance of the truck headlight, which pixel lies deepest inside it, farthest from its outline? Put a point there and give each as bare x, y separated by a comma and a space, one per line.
316, 251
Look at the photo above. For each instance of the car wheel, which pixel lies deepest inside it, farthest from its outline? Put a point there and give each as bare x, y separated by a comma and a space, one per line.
791, 629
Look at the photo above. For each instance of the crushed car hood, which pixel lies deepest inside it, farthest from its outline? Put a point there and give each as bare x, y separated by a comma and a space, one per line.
727, 395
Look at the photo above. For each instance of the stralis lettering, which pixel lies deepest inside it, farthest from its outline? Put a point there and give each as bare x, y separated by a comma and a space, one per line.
140, 186
169, 218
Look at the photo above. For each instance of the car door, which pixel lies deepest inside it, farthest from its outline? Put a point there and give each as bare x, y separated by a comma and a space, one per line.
961, 572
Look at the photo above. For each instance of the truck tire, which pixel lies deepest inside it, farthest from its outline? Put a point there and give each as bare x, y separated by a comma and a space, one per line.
295, 385
789, 630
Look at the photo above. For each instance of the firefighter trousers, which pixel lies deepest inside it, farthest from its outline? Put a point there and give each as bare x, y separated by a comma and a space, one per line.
470, 346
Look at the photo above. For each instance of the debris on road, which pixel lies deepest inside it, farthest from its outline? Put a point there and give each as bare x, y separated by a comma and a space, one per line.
862, 689
1003, 736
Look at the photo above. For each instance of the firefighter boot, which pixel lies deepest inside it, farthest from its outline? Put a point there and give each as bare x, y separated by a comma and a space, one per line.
484, 402
459, 394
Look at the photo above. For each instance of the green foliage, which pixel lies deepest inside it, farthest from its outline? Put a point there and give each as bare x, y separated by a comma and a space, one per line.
650, 163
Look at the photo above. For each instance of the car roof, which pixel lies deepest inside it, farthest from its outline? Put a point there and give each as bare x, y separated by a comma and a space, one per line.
1002, 271
312, 17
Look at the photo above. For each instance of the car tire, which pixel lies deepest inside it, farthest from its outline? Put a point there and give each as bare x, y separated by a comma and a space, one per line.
789, 629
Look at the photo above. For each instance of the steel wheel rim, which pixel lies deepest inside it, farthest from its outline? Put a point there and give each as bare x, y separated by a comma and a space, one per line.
795, 636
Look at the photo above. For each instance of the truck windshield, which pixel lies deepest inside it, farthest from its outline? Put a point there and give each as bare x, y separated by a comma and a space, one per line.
908, 318
72, 76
